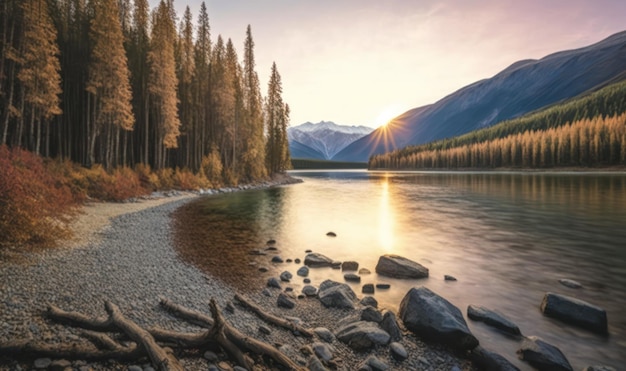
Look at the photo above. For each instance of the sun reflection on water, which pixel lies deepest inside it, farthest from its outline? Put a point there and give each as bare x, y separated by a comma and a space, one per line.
386, 219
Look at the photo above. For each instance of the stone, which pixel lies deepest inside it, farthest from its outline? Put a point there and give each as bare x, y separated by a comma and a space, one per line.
364, 271
210, 356
351, 277
273, 282
336, 264
271, 248
224, 366
374, 364
315, 260
324, 334
396, 266
492, 318
336, 295
432, 317
390, 325
288, 289
599, 368
349, 266
542, 355
266, 292
271, 242
286, 276
371, 314
264, 330
331, 234
362, 335
398, 352
314, 364
369, 300
42, 362
309, 290
448, 277
297, 261
289, 260
368, 288
303, 271
277, 259
570, 283
323, 351
575, 311
306, 280
383, 286
285, 302
488, 360
308, 251
263, 269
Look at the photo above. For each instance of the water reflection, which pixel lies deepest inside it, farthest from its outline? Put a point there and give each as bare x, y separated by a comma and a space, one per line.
385, 222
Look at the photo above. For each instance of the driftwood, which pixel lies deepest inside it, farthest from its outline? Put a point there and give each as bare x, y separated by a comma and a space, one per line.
151, 342
268, 317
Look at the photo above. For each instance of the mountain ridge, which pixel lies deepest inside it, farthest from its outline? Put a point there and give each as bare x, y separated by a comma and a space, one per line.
322, 140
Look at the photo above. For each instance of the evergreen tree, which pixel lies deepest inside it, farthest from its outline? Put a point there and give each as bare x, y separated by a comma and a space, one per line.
276, 118
202, 58
138, 61
186, 72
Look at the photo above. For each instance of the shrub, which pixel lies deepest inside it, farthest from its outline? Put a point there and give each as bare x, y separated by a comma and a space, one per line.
211, 168
186, 180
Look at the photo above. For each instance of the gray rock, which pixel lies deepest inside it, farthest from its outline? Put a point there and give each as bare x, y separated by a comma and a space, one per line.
390, 325
599, 368
543, 356
336, 295
309, 290
134, 368
266, 292
383, 286
362, 335
306, 280
277, 259
314, 260
371, 314
239, 368
323, 351
324, 334
368, 288
575, 311
374, 364
488, 360
448, 277
42, 362
286, 276
570, 283
314, 364
364, 271
264, 330
351, 277
273, 282
303, 271
284, 301
349, 266
308, 251
398, 352
492, 318
400, 267
271, 242
434, 318
369, 300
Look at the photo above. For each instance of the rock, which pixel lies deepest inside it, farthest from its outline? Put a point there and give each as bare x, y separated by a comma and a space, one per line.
303, 271
288, 289
400, 267
570, 283
315, 260
273, 282
390, 325
364, 271
263, 269
383, 286
257, 252
271, 248
599, 368
286, 276
306, 280
309, 290
60, 365
42, 362
575, 311
308, 251
351, 277
368, 288
323, 351
238, 368
336, 295
314, 364
543, 356
374, 364
277, 259
362, 335
271, 242
134, 368
492, 318
210, 356
331, 234
434, 318
324, 334
448, 277
266, 292
349, 266
398, 352
264, 330
369, 300
297, 261
288, 260
371, 314
335, 264
224, 366
285, 302
488, 360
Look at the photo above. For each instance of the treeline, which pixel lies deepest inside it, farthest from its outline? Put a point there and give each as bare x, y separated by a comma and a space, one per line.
111, 82
586, 132
304, 164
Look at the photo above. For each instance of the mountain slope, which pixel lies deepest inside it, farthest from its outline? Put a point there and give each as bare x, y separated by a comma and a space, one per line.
523, 87
299, 150
325, 138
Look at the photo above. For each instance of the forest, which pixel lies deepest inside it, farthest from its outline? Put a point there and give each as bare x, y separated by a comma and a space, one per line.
115, 84
588, 131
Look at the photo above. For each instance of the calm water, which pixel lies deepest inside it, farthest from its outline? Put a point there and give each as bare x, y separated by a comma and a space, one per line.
506, 237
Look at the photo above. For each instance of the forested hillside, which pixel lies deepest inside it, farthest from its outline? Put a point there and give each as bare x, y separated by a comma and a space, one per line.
589, 131
114, 83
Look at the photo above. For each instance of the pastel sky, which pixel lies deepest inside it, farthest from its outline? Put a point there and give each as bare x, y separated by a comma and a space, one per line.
362, 62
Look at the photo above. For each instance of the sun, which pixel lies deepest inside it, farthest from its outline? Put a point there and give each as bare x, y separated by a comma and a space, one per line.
387, 114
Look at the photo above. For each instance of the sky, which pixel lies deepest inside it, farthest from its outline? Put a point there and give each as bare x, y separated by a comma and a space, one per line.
363, 62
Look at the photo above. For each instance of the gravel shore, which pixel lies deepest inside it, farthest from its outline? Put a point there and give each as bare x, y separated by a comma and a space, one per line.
124, 253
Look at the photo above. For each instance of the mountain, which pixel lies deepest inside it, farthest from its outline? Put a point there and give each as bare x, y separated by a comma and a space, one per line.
523, 87
322, 140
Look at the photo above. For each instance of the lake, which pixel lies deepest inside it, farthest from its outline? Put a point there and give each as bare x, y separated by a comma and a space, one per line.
507, 237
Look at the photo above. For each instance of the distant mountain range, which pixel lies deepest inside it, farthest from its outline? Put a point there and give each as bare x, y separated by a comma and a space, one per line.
523, 87
322, 140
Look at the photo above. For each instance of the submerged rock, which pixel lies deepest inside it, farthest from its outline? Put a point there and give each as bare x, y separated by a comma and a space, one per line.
448, 277
277, 259
368, 288
543, 356
434, 318
351, 277
362, 335
364, 271
336, 295
396, 266
369, 300
331, 234
575, 311
303, 271
314, 260
383, 286
492, 318
349, 266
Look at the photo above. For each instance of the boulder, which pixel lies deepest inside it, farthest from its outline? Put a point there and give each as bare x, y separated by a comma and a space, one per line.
349, 266
399, 267
570, 283
368, 288
371, 314
273, 282
286, 276
314, 260
303, 271
362, 335
575, 311
309, 290
543, 356
351, 277
398, 352
369, 300
491, 361
323, 351
434, 318
390, 325
324, 334
336, 295
492, 318
285, 301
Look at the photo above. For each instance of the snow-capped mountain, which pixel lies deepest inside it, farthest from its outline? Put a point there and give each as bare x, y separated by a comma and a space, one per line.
325, 139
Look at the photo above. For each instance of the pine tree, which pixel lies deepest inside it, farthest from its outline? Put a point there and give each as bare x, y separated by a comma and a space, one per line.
276, 118
138, 61
186, 71
201, 87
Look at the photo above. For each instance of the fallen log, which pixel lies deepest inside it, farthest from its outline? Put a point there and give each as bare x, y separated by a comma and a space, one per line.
34, 349
268, 317
189, 315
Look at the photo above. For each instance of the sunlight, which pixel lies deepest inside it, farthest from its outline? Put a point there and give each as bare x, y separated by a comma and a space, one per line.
387, 114
385, 224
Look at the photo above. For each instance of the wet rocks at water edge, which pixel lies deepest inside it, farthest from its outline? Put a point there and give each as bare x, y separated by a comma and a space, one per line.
575, 311
336, 295
309, 290
371, 314
315, 260
362, 335
434, 318
396, 266
277, 259
390, 325
349, 266
303, 271
492, 318
368, 288
351, 277
285, 301
448, 277
331, 234
273, 282
488, 360
398, 352
542, 355
369, 301
286, 276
